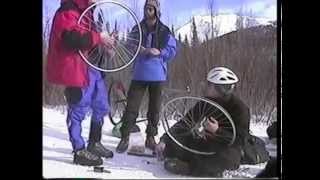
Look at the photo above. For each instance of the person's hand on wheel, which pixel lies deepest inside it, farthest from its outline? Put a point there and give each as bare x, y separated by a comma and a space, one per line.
211, 127
108, 40
143, 50
159, 149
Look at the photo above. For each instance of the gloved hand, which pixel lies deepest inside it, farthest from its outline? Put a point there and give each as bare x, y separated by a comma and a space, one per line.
142, 49
159, 149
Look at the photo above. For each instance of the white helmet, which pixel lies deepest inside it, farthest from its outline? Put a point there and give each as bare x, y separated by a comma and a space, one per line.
222, 75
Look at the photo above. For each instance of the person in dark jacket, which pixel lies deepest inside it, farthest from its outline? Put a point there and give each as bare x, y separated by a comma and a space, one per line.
85, 88
271, 169
221, 84
272, 130
149, 73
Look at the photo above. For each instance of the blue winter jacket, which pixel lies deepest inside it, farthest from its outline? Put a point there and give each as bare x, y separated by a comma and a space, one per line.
154, 68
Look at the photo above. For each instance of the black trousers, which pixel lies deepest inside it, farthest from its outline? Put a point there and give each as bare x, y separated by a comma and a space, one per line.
202, 165
136, 92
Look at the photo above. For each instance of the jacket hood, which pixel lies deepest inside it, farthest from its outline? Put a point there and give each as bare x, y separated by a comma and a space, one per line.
82, 4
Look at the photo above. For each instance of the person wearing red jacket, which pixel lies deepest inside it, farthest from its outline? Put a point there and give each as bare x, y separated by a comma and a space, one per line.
85, 87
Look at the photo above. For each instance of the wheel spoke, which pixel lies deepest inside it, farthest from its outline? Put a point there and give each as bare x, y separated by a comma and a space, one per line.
92, 22
213, 112
124, 48
192, 120
132, 39
187, 122
121, 49
197, 108
121, 58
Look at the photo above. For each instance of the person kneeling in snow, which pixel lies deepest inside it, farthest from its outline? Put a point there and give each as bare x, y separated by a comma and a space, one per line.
221, 85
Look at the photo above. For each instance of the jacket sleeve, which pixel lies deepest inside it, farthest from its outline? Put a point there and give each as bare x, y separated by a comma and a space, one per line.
243, 126
177, 128
169, 52
181, 126
74, 36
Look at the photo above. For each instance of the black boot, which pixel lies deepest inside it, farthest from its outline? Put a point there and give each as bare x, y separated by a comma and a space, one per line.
150, 143
177, 166
123, 144
98, 149
95, 131
95, 145
86, 158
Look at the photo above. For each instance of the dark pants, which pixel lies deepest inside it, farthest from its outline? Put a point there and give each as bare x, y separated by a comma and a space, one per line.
205, 166
135, 95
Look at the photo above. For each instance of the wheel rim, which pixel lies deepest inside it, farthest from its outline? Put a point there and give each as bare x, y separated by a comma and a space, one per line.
207, 108
123, 54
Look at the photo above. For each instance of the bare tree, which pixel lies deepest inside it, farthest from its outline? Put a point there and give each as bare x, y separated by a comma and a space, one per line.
250, 53
211, 12
195, 38
186, 41
240, 19
179, 38
46, 29
172, 30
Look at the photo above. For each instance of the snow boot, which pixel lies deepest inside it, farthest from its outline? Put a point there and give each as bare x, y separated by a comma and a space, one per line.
123, 144
86, 158
99, 150
177, 166
95, 146
150, 143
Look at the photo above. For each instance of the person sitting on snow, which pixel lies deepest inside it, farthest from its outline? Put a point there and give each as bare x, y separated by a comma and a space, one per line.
221, 85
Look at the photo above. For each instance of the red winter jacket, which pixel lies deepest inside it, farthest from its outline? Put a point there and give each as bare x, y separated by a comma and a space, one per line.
65, 66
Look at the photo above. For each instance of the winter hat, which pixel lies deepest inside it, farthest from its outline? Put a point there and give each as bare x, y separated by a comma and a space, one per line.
155, 4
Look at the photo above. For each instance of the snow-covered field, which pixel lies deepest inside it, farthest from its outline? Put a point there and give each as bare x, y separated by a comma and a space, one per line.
57, 153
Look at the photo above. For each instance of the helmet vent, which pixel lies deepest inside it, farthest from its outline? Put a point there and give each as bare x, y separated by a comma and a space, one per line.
229, 73
213, 76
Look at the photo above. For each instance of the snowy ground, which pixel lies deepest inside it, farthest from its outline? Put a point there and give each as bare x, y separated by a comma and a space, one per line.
57, 153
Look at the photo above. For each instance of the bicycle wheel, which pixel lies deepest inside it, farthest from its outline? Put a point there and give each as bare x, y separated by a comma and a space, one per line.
117, 101
193, 112
114, 18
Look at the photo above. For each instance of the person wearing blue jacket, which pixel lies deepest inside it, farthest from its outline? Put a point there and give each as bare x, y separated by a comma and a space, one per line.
149, 73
